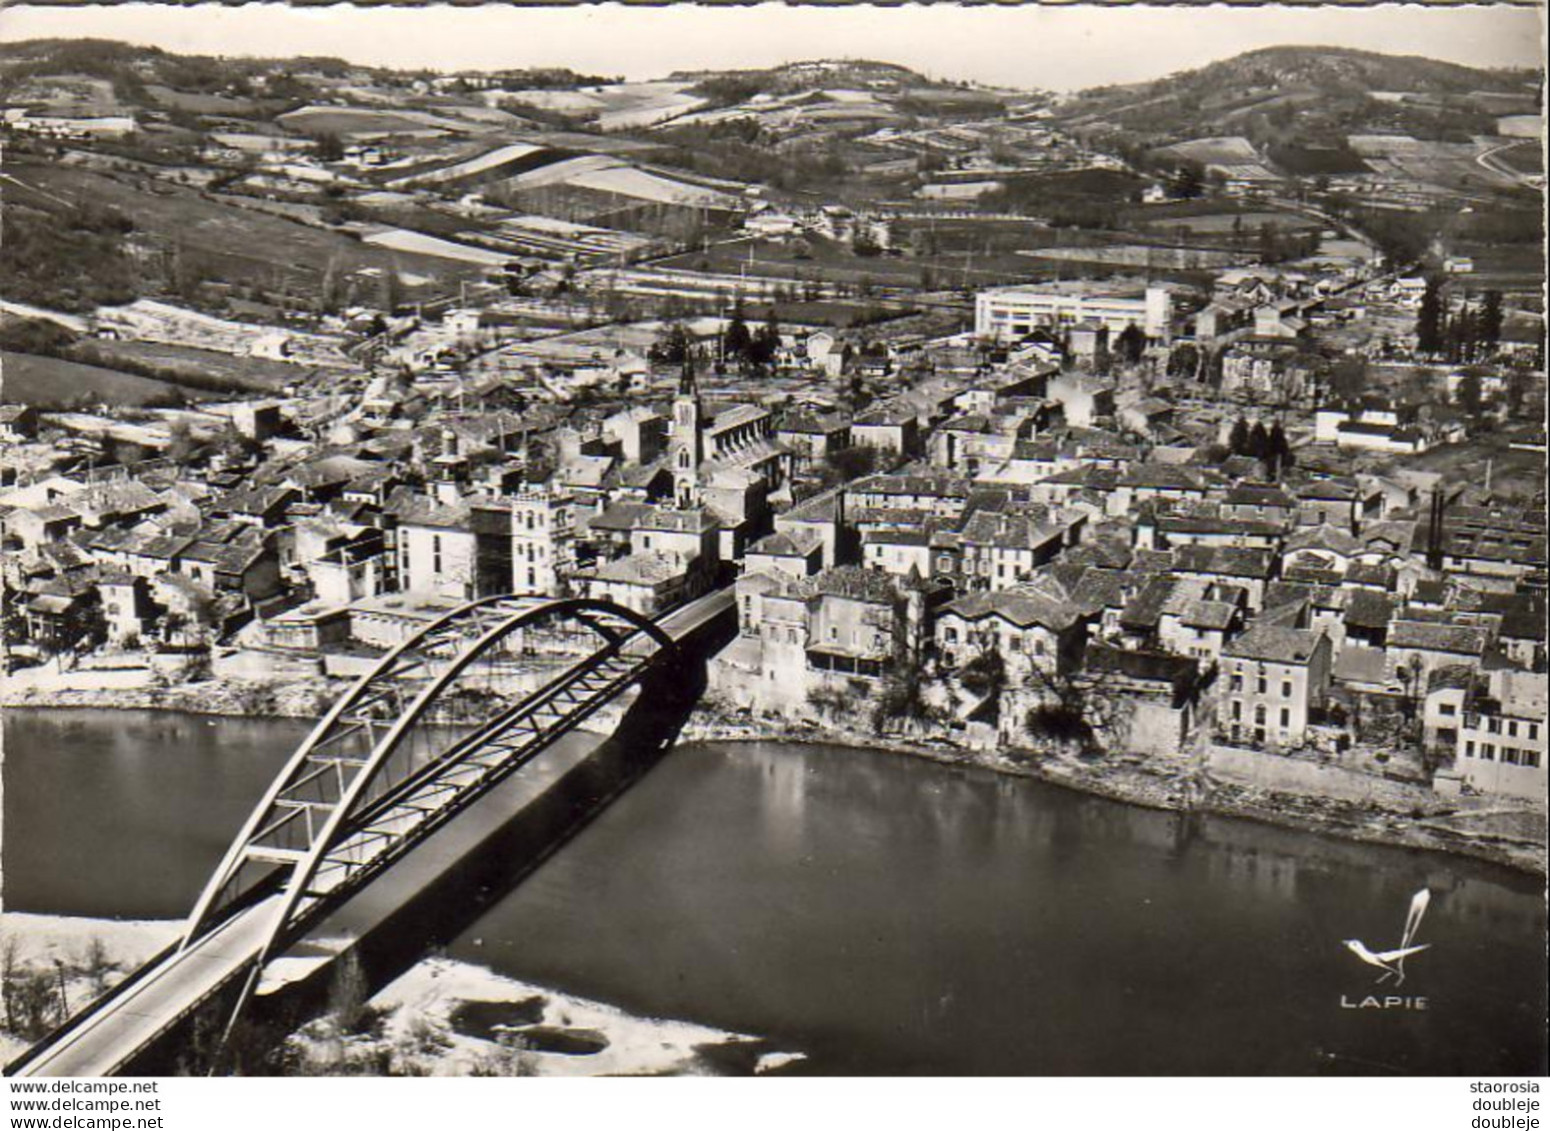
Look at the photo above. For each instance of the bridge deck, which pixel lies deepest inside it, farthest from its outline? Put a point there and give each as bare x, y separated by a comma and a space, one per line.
103, 1043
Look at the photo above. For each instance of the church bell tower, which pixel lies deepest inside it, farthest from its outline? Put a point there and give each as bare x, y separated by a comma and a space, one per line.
687, 436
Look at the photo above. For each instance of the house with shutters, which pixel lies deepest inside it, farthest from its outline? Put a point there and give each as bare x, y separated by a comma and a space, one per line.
1273, 679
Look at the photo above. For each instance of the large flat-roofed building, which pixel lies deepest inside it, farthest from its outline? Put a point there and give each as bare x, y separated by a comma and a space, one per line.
1009, 313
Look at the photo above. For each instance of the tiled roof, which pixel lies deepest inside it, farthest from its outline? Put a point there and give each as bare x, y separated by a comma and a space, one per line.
1366, 609
856, 583
673, 520
1227, 561
1323, 537
1423, 636
641, 569
1155, 667
785, 545
1018, 607
1275, 644
1259, 495
1145, 609
1212, 615
413, 509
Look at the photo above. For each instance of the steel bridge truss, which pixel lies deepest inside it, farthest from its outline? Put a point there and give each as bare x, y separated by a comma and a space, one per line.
434, 725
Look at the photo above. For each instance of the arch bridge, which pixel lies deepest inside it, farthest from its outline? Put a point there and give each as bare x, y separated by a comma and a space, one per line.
437, 722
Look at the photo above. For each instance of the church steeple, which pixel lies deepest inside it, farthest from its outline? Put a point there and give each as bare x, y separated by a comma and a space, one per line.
687, 438
688, 382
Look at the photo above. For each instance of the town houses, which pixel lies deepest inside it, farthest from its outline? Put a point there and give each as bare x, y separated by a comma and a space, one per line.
1032, 534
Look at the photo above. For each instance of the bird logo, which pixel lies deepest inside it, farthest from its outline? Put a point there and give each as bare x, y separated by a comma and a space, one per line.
1392, 962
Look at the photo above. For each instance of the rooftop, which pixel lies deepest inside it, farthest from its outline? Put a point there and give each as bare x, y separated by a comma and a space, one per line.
1270, 643
1426, 637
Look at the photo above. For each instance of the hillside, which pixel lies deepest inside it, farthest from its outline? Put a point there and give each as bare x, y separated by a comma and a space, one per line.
811, 74
1308, 95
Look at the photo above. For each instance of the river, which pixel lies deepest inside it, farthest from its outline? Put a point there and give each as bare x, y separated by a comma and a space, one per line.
880, 913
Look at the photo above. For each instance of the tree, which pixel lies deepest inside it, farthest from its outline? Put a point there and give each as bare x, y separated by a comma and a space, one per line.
1130, 344
1428, 323
1280, 450
1271, 249
845, 465
1489, 327
391, 290
1460, 335
1183, 361
1468, 395
1189, 181
181, 446
328, 289
1348, 378
1238, 438
1075, 712
902, 697
985, 674
1520, 382
765, 346
329, 147
236, 446
737, 339
672, 345
1258, 444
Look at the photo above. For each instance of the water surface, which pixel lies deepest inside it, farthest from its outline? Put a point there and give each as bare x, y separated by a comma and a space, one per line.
880, 913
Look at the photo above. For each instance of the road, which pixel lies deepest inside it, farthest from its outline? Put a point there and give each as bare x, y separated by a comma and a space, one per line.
1492, 164
105, 1040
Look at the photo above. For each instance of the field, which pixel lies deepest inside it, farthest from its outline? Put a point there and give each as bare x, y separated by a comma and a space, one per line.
50, 382
1222, 223
253, 373
421, 244
1514, 474
1306, 161
1523, 158
597, 173
351, 120
202, 103
1144, 256
1217, 151
832, 262
507, 160
234, 244
1507, 266
1450, 165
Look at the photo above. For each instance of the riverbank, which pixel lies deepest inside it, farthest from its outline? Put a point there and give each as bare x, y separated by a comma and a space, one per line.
1178, 787
440, 1018
1418, 819
298, 699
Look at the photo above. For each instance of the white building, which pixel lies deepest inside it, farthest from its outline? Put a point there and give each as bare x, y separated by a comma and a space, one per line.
1006, 313
437, 552
1502, 739
543, 541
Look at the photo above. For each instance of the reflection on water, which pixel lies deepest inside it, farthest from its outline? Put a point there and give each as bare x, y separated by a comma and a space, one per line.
880, 913
889, 915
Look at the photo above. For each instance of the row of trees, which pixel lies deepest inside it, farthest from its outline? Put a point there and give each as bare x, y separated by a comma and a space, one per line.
1469, 334
1268, 445
738, 344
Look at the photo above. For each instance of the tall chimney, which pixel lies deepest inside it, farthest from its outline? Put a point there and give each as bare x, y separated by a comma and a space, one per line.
1434, 531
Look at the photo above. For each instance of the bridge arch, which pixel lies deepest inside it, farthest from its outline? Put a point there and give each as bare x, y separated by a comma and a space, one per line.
435, 723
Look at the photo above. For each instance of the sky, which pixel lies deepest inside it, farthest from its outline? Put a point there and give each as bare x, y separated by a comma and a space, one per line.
1052, 47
